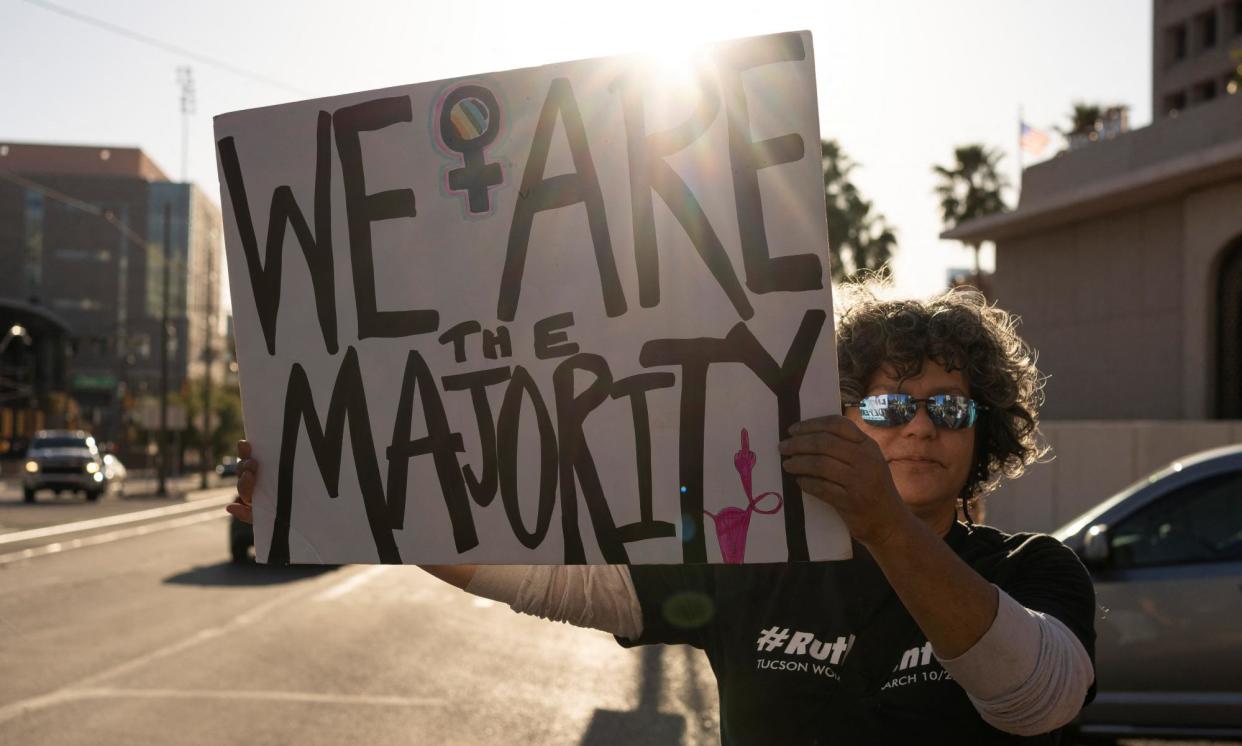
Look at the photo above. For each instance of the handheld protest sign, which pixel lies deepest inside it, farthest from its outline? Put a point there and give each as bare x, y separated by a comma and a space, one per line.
552, 315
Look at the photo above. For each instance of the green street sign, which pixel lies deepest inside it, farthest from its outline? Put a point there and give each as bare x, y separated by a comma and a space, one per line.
100, 382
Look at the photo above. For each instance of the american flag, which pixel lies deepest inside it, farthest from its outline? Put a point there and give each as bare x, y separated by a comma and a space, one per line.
1033, 140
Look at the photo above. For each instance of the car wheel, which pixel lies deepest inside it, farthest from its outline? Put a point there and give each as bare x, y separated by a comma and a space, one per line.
28, 494
92, 495
240, 549
1073, 736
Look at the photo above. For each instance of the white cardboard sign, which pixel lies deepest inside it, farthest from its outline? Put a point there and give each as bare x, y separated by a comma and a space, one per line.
552, 315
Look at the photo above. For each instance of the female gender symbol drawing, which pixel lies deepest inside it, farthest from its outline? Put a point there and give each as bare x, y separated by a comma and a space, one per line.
733, 523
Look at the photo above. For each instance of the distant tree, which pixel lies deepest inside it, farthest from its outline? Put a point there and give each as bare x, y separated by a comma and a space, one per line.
970, 188
1084, 121
858, 239
226, 418
1089, 122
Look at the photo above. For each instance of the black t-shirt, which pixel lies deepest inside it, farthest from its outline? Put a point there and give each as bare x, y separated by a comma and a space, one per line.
825, 653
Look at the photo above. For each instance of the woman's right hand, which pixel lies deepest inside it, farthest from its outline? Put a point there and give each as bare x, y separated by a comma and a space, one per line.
247, 473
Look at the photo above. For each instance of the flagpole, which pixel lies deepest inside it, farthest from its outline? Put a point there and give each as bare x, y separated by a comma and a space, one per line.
1018, 186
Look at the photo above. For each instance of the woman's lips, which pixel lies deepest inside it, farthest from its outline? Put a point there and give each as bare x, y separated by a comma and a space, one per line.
916, 461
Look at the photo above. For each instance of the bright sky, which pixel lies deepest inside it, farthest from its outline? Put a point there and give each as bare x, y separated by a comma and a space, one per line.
901, 82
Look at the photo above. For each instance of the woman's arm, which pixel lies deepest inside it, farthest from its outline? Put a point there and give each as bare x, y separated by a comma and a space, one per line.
836, 462
1024, 672
596, 596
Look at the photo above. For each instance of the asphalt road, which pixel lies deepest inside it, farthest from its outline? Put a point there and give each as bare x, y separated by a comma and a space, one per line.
157, 639
128, 625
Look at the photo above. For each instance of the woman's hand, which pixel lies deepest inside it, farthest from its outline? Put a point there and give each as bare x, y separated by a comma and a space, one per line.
835, 461
247, 473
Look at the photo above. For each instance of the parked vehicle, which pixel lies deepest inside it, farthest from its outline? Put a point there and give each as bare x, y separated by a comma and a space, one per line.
61, 460
241, 541
1166, 559
114, 473
227, 466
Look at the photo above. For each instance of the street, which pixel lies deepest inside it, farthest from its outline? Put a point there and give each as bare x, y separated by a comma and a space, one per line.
124, 622
157, 638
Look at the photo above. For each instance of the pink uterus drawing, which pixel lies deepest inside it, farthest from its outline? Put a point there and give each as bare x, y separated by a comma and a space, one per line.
732, 524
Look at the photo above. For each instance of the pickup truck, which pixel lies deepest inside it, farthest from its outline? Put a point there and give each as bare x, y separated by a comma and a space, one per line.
61, 460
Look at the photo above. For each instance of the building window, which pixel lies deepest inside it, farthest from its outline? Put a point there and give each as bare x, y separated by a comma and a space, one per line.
1205, 91
1205, 30
1176, 43
1237, 17
1174, 102
33, 271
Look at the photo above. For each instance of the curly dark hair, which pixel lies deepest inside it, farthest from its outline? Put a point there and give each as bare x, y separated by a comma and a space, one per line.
960, 331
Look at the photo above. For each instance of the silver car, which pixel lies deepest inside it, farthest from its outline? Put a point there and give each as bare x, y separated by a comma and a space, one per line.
61, 460
1166, 559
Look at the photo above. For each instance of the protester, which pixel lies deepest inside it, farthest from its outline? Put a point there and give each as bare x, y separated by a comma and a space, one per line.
937, 629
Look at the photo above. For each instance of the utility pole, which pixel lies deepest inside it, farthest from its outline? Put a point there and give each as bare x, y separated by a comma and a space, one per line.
205, 455
185, 79
162, 488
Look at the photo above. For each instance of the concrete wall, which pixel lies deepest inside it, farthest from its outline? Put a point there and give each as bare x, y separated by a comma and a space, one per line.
1196, 132
1212, 219
1101, 301
1092, 460
1121, 307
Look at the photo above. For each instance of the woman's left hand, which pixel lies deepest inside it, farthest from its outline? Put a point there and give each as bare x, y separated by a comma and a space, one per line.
837, 462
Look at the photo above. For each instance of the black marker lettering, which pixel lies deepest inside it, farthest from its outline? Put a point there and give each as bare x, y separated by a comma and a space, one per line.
764, 273
539, 193
575, 459
362, 209
508, 427
348, 401
636, 388
783, 380
496, 343
648, 171
457, 335
441, 442
549, 341
317, 247
482, 488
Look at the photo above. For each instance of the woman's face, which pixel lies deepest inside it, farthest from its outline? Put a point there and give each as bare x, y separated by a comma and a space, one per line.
929, 464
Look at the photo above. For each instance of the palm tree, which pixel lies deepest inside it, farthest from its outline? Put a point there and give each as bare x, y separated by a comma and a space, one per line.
858, 239
1084, 121
1092, 122
971, 188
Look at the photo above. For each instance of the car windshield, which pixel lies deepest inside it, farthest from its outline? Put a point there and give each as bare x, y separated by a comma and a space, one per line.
61, 442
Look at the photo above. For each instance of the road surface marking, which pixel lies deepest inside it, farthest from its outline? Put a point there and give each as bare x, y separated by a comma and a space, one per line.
351, 583
257, 695
68, 692
114, 520
124, 533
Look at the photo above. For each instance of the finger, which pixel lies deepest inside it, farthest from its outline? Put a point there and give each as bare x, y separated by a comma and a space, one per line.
833, 423
247, 465
820, 467
820, 443
245, 487
240, 511
243, 449
827, 491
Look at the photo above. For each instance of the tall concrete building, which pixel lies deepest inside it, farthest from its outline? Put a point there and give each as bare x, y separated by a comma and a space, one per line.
1196, 53
1124, 257
1124, 260
83, 263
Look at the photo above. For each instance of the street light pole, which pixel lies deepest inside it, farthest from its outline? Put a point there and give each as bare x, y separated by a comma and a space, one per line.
162, 488
205, 455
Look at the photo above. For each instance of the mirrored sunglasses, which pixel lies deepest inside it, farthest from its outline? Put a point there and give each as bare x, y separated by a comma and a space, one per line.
894, 410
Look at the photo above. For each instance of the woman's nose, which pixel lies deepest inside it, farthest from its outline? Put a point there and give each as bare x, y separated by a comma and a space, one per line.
921, 426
